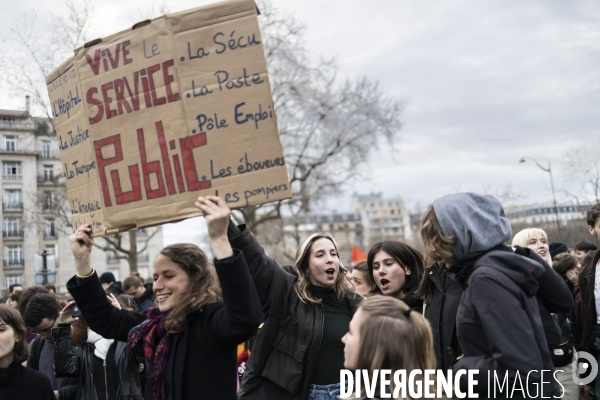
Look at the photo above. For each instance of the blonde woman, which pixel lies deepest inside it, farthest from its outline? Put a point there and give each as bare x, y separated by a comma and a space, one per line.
298, 354
535, 239
385, 334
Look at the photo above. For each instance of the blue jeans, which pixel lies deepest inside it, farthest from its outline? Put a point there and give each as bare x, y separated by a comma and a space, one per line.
324, 392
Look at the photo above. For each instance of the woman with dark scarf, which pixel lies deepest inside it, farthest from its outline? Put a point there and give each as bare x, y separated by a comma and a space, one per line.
498, 323
16, 381
190, 340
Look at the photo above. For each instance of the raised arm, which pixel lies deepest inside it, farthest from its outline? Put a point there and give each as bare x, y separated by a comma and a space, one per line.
101, 316
240, 317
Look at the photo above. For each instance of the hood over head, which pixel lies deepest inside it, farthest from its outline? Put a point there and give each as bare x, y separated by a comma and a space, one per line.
476, 221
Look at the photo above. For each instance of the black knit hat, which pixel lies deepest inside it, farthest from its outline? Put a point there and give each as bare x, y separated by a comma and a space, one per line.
558, 248
107, 277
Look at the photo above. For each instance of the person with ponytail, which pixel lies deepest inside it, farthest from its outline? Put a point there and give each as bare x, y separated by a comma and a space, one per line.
190, 340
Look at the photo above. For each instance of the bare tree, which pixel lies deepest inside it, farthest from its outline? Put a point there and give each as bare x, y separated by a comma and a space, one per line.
581, 171
36, 50
328, 126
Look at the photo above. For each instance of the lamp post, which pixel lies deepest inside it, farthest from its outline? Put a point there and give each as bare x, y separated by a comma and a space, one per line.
548, 170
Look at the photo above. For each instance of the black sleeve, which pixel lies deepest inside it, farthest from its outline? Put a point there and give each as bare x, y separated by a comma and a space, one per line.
104, 319
553, 290
265, 272
68, 392
66, 360
239, 319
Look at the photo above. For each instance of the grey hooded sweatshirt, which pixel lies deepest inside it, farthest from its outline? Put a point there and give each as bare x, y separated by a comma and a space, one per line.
499, 328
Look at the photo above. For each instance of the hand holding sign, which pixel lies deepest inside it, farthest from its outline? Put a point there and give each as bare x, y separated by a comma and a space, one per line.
217, 215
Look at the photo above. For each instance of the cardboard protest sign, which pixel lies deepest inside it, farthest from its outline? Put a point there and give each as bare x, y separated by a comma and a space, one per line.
151, 118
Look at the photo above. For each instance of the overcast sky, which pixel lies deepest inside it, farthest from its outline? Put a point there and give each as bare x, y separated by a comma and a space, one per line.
486, 82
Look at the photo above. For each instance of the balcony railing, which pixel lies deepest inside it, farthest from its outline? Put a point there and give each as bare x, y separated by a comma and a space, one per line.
12, 206
143, 257
50, 235
49, 206
47, 180
12, 178
12, 234
17, 124
11, 149
14, 263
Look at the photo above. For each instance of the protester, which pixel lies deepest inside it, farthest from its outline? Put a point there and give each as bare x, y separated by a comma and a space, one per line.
498, 320
590, 295
41, 315
298, 354
582, 249
105, 369
441, 293
143, 294
15, 287
16, 381
397, 269
535, 239
14, 299
385, 334
190, 340
110, 284
361, 278
24, 301
50, 288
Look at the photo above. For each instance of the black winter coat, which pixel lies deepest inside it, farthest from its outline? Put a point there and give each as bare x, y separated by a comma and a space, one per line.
20, 383
499, 326
77, 361
441, 314
283, 358
587, 280
205, 356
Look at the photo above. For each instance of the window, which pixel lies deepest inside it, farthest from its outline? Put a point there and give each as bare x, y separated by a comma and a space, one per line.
48, 200
45, 149
14, 256
13, 199
10, 143
12, 169
12, 279
50, 231
48, 173
12, 227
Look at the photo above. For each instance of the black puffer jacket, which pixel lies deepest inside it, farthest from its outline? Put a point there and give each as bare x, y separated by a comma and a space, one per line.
77, 361
284, 355
147, 299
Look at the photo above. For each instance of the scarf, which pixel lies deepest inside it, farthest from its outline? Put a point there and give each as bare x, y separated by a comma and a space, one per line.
101, 345
156, 346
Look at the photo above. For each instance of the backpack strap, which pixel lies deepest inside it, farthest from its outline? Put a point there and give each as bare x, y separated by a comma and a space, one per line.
36, 352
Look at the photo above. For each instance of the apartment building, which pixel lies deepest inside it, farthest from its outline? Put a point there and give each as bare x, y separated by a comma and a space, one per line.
35, 210
382, 219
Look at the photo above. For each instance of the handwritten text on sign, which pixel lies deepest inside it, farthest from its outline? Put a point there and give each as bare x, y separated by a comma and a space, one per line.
150, 118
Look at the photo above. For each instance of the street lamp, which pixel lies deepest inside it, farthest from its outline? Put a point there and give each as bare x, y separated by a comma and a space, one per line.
548, 170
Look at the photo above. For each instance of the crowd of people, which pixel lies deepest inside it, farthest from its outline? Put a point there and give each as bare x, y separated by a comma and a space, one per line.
243, 327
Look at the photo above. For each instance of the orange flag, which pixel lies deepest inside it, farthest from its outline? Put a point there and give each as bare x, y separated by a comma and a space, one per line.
358, 255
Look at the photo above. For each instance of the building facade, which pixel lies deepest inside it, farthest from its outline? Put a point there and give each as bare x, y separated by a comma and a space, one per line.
544, 213
383, 219
35, 211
